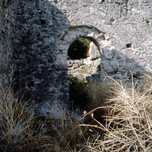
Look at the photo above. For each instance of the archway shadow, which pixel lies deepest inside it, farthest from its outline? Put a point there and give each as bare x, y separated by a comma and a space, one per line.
39, 26
119, 67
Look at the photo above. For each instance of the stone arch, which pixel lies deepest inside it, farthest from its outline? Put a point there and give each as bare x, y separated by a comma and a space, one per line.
75, 32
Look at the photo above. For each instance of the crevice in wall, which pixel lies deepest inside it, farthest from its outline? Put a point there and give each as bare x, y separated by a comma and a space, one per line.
31, 83
42, 21
147, 21
129, 45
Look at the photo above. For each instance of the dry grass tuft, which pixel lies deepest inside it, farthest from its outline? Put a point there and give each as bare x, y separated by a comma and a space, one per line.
66, 134
19, 128
99, 92
128, 124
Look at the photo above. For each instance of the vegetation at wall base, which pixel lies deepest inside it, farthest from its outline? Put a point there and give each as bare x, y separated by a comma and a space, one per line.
78, 92
127, 124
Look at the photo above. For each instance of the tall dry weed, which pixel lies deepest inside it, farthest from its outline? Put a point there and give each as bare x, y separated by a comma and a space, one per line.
22, 130
128, 120
19, 128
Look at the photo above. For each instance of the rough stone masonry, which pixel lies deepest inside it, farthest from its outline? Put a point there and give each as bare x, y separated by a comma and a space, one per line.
35, 36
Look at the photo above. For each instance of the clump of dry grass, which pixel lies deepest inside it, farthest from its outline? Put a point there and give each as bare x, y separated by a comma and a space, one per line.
22, 130
66, 134
19, 128
128, 121
98, 92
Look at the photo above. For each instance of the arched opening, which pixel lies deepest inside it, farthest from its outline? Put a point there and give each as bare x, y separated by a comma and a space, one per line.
79, 49
83, 60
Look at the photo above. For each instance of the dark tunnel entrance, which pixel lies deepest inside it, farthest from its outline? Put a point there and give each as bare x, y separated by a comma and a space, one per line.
79, 49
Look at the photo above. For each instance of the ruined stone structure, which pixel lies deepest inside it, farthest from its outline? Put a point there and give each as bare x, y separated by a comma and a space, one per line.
35, 36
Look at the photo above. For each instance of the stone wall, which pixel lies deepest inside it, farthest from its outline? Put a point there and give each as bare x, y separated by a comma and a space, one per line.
127, 28
38, 33
39, 25
6, 42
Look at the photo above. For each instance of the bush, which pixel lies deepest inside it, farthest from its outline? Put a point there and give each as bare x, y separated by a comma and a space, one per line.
78, 92
128, 124
19, 127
